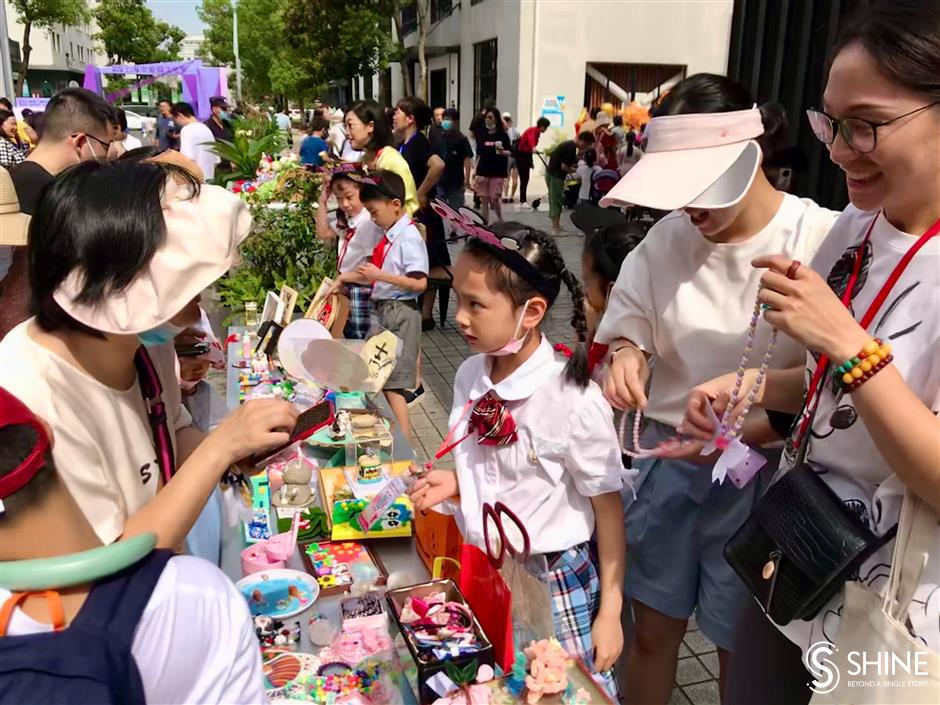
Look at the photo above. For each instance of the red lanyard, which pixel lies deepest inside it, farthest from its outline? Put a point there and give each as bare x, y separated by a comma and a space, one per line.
823, 362
346, 240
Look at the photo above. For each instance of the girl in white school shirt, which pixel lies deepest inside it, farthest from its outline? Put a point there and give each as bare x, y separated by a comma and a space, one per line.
685, 296
557, 464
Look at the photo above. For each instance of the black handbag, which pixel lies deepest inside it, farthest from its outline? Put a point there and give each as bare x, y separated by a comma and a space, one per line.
799, 546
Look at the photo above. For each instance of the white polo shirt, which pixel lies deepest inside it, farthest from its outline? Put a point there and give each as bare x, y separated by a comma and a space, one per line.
406, 254
353, 251
567, 452
195, 642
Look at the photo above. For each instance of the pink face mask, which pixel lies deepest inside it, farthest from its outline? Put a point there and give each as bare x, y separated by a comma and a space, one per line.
515, 342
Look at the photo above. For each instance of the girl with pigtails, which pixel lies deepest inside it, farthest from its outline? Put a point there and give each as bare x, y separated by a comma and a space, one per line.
540, 437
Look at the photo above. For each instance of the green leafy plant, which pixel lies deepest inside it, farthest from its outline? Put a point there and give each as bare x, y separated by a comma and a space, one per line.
283, 247
254, 137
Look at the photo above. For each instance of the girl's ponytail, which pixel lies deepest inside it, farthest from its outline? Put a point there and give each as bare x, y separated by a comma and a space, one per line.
577, 370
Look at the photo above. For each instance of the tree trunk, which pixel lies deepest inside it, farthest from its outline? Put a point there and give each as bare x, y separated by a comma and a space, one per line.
27, 50
422, 7
405, 73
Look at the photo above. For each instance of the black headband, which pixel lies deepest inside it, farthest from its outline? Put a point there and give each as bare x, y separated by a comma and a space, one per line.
523, 267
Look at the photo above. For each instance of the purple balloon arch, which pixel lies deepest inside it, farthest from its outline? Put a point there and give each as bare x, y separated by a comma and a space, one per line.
200, 83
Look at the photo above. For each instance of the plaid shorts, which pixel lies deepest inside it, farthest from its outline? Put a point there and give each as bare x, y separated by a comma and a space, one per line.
576, 591
360, 311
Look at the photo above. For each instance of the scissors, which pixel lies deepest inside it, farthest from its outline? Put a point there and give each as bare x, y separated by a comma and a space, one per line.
493, 515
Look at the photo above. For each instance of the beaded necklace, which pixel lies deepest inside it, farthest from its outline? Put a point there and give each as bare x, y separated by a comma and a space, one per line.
726, 433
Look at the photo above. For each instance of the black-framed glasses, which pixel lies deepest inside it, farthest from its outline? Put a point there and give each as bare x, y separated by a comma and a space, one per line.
860, 134
106, 145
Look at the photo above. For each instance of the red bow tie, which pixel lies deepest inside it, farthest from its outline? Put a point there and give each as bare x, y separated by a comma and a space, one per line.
492, 422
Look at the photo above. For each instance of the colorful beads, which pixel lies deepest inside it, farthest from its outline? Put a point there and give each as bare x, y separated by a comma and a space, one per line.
856, 370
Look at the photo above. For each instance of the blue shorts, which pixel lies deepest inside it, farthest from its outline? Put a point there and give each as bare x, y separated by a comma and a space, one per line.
677, 529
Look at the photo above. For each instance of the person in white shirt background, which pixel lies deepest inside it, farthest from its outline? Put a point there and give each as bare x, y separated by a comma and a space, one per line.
356, 236
684, 297
121, 134
196, 139
561, 474
875, 446
587, 167
284, 126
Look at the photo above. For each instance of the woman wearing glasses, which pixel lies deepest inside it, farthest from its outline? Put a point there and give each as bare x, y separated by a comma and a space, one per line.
874, 436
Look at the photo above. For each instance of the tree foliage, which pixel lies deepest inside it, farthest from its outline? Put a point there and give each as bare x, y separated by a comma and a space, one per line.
130, 33
259, 39
46, 14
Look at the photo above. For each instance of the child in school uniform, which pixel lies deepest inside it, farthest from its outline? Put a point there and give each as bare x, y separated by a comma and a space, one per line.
587, 167
542, 438
398, 273
356, 237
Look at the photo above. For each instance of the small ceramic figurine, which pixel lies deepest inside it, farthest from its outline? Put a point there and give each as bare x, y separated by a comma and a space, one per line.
370, 467
296, 491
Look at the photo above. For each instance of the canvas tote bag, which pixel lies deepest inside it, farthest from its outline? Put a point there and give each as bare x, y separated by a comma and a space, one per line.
873, 624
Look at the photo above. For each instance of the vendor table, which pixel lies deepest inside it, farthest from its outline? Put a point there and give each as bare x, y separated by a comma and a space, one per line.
398, 554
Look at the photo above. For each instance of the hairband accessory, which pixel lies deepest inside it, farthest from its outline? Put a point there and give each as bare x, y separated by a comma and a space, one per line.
793, 269
505, 247
340, 168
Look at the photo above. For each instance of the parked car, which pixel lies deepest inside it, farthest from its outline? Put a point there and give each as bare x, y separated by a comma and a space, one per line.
296, 115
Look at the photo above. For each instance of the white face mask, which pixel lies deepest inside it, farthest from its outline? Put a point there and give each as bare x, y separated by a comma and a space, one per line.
515, 342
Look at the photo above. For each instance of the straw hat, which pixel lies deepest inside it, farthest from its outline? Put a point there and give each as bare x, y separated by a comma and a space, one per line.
14, 225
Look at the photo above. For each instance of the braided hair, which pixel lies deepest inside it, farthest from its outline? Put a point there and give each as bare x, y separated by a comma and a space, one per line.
542, 252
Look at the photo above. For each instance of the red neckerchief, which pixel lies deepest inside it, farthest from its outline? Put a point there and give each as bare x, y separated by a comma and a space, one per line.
381, 252
492, 422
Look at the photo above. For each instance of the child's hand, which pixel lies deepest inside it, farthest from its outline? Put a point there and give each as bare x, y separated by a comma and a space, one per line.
607, 636
433, 488
369, 272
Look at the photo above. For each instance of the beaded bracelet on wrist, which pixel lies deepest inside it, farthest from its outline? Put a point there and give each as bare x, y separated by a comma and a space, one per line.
854, 372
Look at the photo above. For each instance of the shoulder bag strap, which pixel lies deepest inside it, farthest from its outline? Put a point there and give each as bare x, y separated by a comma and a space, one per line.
152, 391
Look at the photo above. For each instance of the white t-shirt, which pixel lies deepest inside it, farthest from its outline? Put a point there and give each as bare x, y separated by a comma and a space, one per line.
584, 174
841, 444
688, 301
131, 142
104, 449
195, 642
561, 460
406, 254
195, 140
283, 122
356, 250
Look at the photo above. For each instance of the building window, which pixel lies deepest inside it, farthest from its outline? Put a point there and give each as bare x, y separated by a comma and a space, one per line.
484, 72
441, 9
409, 20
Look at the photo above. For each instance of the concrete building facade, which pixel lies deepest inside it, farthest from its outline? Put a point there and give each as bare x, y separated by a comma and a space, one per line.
527, 54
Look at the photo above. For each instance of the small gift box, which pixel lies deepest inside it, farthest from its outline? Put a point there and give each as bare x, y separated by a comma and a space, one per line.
434, 627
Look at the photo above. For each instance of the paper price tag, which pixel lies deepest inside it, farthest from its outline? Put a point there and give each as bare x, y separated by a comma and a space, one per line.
744, 472
393, 489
